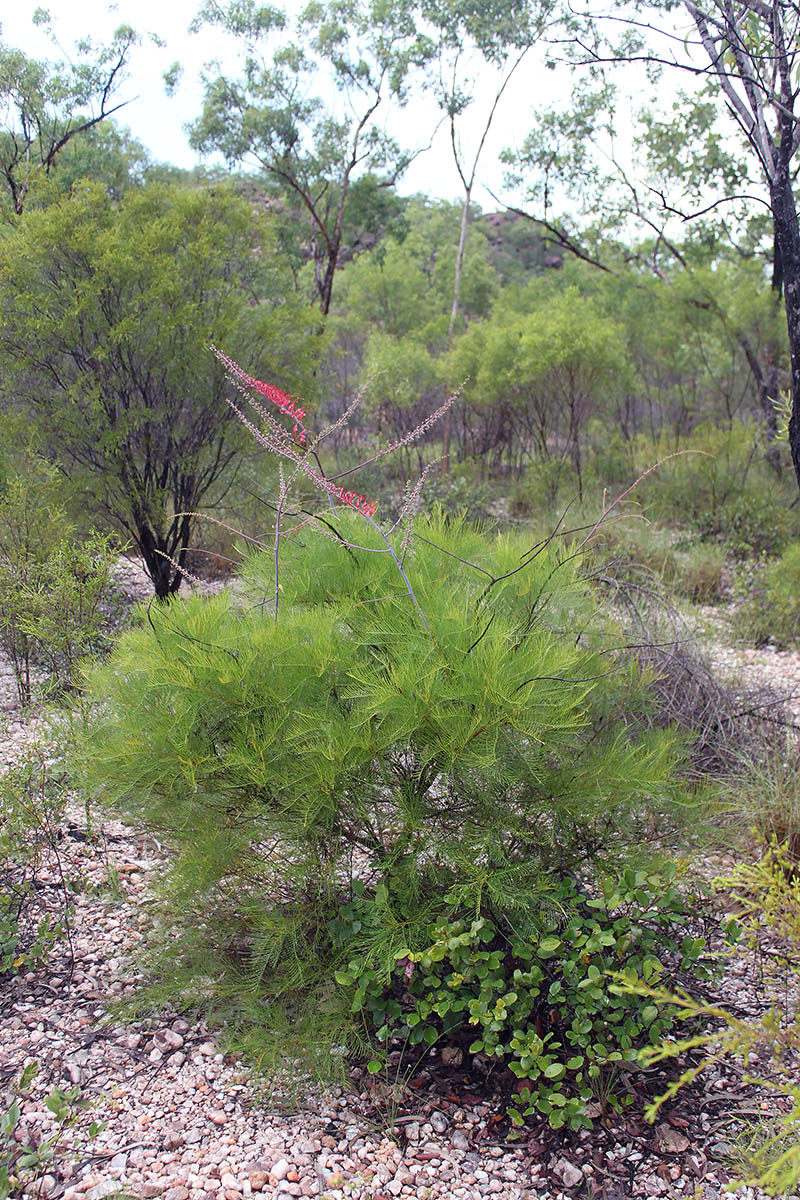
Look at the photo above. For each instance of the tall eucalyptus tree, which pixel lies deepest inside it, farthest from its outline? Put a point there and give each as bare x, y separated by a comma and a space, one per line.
307, 105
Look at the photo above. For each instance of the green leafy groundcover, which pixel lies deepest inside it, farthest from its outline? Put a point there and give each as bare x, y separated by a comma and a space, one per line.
392, 820
541, 1003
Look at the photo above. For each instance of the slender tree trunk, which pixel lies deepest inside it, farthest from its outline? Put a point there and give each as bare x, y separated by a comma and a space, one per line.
769, 396
447, 420
787, 234
766, 381
326, 288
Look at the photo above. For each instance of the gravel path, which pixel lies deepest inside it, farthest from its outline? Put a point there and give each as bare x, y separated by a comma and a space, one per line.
185, 1122
779, 669
765, 666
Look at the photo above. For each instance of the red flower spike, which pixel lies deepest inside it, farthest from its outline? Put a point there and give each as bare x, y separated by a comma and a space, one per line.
285, 403
275, 395
366, 507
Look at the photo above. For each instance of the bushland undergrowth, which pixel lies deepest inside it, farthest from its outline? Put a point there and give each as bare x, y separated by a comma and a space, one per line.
51, 582
35, 892
764, 899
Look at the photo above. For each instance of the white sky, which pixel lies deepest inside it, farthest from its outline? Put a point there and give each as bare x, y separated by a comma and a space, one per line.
158, 121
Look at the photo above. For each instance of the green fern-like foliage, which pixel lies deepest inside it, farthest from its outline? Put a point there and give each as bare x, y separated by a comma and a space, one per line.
466, 751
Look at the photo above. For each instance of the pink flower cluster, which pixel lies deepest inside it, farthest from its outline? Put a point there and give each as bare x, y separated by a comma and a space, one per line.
282, 400
286, 404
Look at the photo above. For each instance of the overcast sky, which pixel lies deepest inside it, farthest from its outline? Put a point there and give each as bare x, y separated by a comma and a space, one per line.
158, 121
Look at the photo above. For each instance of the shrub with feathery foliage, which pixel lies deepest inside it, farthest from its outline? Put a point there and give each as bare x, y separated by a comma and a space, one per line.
461, 757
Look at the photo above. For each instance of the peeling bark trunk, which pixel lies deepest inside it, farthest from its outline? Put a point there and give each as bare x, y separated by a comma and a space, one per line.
326, 289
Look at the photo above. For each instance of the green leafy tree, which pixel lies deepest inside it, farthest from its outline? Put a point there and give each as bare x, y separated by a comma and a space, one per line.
106, 154
108, 312
752, 60
404, 383
389, 324
311, 149
691, 157
746, 58
543, 373
404, 285
591, 202
46, 106
705, 339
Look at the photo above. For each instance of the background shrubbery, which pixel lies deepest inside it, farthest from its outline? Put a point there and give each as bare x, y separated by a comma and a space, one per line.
768, 607
52, 582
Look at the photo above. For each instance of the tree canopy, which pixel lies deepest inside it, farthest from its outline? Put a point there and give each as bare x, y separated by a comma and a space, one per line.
108, 312
311, 148
45, 106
